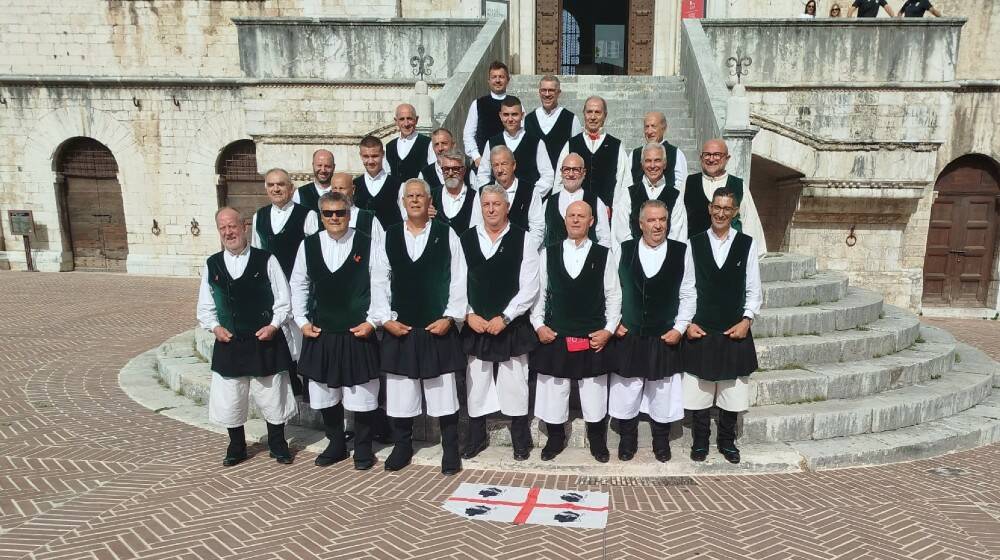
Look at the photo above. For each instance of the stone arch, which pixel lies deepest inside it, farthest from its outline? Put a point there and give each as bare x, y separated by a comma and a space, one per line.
207, 145
776, 190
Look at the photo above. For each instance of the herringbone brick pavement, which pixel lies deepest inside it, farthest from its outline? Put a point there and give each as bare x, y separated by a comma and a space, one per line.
87, 473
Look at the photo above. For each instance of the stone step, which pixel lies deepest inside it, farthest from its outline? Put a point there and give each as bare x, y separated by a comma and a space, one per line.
895, 331
819, 288
776, 267
857, 308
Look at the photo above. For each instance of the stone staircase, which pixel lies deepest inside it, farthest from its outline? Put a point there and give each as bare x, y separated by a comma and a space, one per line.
628, 98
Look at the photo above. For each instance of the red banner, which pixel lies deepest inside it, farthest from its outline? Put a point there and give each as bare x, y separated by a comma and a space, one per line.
692, 9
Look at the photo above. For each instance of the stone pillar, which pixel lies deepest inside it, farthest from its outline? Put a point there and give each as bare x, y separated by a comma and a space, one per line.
424, 105
739, 133
666, 37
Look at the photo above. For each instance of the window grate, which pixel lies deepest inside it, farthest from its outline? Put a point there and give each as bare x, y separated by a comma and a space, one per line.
87, 158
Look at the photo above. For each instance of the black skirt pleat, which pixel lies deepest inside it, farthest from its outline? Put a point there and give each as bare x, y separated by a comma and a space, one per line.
716, 357
339, 359
516, 340
648, 357
555, 360
422, 355
245, 356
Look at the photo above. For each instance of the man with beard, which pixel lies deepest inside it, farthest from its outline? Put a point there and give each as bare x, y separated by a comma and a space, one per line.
243, 300
457, 202
502, 262
419, 283
408, 154
483, 121
575, 314
654, 127
658, 301
375, 189
279, 228
526, 209
533, 166
323, 166
606, 162
442, 141
720, 355
555, 125
573, 172
654, 185
331, 303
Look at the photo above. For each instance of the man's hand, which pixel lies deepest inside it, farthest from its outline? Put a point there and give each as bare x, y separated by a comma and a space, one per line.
495, 325
672, 338
475, 162
432, 211
439, 327
364, 330
311, 331
395, 328
476, 323
221, 334
598, 339
739, 330
545, 334
621, 330
265, 333
695, 332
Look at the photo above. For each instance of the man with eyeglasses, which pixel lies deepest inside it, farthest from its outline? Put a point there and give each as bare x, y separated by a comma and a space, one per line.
442, 141
655, 184
419, 284
483, 121
533, 165
700, 186
376, 189
554, 124
606, 162
573, 172
279, 228
457, 202
654, 128
407, 154
331, 305
719, 355
526, 209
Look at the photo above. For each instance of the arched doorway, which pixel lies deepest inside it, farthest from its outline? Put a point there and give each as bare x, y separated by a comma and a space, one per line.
962, 236
92, 208
592, 37
240, 185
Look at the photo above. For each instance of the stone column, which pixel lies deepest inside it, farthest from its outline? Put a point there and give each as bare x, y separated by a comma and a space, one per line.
666, 37
424, 106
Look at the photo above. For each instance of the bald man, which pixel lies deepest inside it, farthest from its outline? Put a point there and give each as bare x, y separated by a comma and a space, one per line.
408, 154
654, 128
323, 166
573, 172
606, 161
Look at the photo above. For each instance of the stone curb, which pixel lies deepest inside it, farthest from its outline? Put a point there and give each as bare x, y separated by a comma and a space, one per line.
856, 308
820, 288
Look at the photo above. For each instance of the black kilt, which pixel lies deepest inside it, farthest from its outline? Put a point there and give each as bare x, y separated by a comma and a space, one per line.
339, 359
648, 357
245, 356
716, 357
422, 355
555, 360
517, 339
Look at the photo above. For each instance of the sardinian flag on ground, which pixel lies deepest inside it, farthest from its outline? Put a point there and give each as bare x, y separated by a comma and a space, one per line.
511, 504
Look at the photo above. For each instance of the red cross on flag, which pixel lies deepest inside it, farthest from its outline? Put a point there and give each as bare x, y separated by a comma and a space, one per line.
533, 506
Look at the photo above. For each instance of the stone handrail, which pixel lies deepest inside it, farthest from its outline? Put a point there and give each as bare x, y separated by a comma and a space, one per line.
705, 88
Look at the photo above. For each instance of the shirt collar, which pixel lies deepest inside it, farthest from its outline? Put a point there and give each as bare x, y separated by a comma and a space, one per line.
571, 245
481, 231
512, 187
425, 231
573, 195
462, 192
516, 135
288, 206
729, 234
244, 252
720, 179
661, 247
409, 138
344, 238
381, 175
553, 112
662, 182
498, 96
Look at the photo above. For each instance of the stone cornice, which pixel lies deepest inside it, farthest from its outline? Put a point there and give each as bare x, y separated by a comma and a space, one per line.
359, 22
833, 22
193, 81
831, 145
847, 86
870, 188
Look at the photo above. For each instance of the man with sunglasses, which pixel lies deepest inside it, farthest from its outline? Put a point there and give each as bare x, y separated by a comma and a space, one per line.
361, 219
331, 304
376, 189
442, 141
533, 165
573, 172
720, 355
654, 128
698, 191
411, 151
323, 166
456, 201
656, 184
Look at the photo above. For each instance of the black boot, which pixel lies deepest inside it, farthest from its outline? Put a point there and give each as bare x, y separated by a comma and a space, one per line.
597, 439
661, 440
402, 449
477, 439
450, 461
628, 444
277, 445
381, 427
726, 441
701, 428
236, 453
520, 436
556, 442
336, 450
364, 457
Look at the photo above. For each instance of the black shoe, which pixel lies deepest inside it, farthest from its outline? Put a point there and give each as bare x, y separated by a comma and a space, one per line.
336, 449
597, 439
549, 453
363, 465
399, 458
662, 455
332, 454
731, 454
236, 453
699, 455
402, 450
282, 459
625, 454
277, 445
234, 457
451, 470
602, 456
628, 445
470, 453
522, 455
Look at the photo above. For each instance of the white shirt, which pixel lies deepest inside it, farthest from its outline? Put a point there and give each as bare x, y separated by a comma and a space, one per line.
536, 213
319, 191
279, 217
378, 232
621, 226
452, 205
651, 259
403, 146
547, 120
545, 174
720, 251
564, 198
236, 265
472, 125
335, 252
527, 280
415, 244
749, 217
623, 173
574, 256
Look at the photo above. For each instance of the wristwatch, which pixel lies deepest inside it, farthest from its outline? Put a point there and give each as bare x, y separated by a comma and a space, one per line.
506, 320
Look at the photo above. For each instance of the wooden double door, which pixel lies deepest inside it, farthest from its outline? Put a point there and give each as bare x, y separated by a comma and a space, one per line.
962, 237
594, 37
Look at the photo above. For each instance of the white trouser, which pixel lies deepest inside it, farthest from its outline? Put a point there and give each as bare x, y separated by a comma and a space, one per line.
229, 399
732, 394
403, 395
293, 336
552, 398
508, 393
662, 400
356, 398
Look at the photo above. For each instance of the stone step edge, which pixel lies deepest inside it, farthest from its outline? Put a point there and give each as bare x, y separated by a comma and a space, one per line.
823, 287
855, 310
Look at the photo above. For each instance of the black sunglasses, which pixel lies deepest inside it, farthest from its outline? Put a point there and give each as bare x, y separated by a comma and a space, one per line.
331, 213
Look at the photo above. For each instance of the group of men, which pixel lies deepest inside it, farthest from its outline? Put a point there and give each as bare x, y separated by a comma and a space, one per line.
620, 275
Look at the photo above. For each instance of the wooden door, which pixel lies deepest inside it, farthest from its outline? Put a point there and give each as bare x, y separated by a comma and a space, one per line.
640, 37
548, 36
961, 240
240, 185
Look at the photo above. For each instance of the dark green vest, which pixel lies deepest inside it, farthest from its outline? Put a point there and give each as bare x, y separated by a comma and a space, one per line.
285, 243
668, 170
339, 299
649, 305
364, 221
308, 197
602, 166
555, 223
696, 203
415, 160
721, 292
419, 289
575, 306
242, 305
461, 221
385, 204
637, 194
493, 282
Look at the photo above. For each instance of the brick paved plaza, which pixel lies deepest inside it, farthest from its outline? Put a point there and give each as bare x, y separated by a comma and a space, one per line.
87, 473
